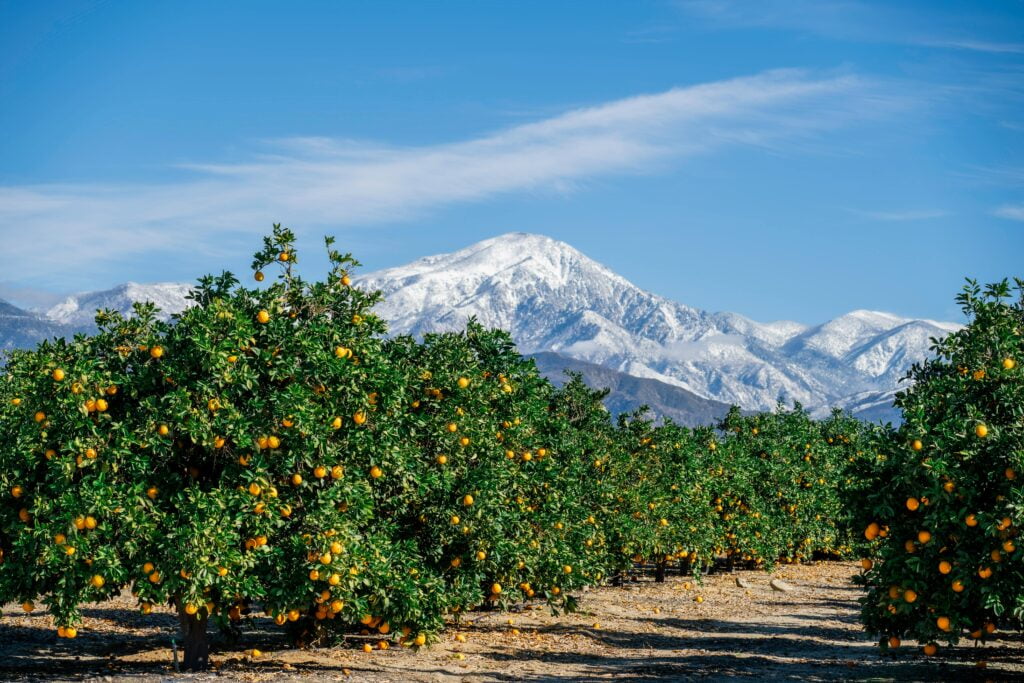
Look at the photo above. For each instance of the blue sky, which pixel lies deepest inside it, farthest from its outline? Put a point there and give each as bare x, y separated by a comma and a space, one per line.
779, 159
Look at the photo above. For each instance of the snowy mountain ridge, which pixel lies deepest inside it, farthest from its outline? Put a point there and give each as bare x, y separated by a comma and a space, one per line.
553, 298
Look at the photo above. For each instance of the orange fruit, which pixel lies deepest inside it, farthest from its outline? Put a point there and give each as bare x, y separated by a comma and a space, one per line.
871, 532
867, 563
258, 276
971, 520
58, 375
913, 504
930, 649
945, 567
156, 352
263, 317
924, 536
958, 587
916, 444
894, 642
981, 431
909, 595
376, 472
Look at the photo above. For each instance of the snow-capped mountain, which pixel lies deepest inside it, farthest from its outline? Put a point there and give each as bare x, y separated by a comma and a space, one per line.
553, 298
79, 310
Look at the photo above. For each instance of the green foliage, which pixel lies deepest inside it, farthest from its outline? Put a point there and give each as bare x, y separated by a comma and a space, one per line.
945, 506
270, 445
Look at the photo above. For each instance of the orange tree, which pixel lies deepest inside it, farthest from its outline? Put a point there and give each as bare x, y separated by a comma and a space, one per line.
783, 483
494, 492
229, 456
946, 506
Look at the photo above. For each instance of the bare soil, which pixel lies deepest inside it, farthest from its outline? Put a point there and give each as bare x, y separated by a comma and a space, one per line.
641, 631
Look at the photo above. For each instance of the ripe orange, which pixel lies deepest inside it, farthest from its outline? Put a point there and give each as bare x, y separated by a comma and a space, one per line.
296, 479
867, 563
58, 375
156, 352
930, 649
376, 472
971, 520
258, 276
871, 532
263, 317
1009, 364
916, 444
958, 586
943, 623
70, 632
909, 595
152, 492
924, 536
283, 256
981, 431
913, 504
894, 642
97, 581
359, 417
945, 567
467, 500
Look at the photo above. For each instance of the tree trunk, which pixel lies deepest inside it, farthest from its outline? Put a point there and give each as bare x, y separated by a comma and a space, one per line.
194, 642
659, 571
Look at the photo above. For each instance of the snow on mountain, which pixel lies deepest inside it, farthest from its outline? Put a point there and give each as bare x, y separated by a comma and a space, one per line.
21, 329
79, 310
553, 298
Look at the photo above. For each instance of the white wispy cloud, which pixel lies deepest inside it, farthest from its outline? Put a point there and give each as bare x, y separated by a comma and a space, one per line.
1013, 212
313, 183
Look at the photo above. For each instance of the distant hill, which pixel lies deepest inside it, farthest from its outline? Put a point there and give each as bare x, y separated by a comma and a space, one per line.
629, 393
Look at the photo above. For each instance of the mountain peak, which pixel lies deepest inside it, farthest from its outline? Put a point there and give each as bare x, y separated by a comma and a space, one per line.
80, 309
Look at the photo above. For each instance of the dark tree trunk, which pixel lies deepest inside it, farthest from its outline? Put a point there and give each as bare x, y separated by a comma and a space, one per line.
659, 571
194, 642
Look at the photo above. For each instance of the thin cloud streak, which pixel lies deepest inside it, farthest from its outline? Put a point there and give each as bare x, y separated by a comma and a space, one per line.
1010, 212
898, 216
318, 182
847, 20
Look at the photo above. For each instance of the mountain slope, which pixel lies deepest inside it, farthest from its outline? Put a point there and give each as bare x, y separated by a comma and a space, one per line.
627, 393
20, 329
79, 310
553, 298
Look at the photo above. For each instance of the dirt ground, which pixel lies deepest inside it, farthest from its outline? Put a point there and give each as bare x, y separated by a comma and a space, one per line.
642, 631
